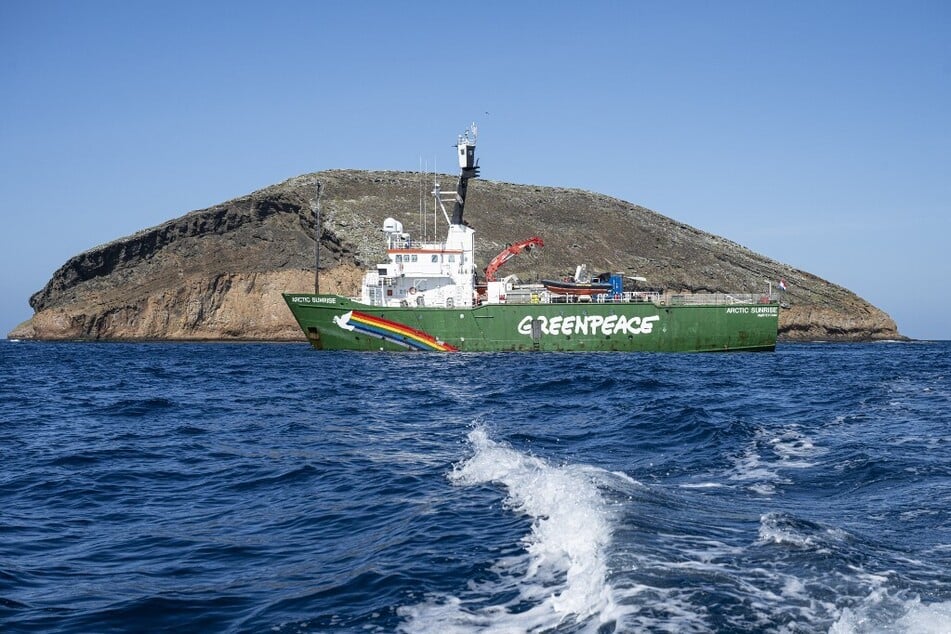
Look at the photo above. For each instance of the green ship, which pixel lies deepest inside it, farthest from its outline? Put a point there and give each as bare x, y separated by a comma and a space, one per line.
426, 296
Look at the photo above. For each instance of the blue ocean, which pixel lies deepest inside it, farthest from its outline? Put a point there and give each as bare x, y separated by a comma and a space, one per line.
273, 488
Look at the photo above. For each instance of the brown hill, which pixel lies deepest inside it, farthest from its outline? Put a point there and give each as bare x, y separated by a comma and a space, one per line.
218, 273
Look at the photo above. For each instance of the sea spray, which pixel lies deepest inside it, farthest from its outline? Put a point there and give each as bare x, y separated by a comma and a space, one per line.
561, 574
883, 613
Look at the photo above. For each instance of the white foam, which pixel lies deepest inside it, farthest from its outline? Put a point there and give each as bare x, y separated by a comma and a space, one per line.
881, 613
702, 485
923, 618
772, 531
794, 449
719, 568
772, 451
561, 574
775, 528
754, 473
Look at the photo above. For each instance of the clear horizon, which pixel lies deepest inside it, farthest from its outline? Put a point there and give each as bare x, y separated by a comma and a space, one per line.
815, 135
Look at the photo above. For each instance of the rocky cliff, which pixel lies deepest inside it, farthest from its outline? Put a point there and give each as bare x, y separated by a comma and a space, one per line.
218, 273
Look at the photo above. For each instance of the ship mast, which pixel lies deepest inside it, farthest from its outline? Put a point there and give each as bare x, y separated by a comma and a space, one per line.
468, 168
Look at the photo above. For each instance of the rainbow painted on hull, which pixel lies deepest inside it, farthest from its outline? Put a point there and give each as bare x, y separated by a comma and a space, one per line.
391, 331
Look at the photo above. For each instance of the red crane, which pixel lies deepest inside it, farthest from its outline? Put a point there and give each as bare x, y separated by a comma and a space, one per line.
508, 253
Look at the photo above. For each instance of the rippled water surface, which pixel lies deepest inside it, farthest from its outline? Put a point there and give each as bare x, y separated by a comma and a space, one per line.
229, 487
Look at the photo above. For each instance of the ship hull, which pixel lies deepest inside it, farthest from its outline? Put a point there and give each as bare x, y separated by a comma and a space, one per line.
332, 322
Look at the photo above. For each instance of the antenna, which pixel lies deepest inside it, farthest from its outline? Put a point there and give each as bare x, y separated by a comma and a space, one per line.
421, 233
422, 194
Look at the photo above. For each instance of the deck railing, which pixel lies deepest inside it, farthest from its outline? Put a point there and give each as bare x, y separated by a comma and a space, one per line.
667, 298
718, 299
535, 296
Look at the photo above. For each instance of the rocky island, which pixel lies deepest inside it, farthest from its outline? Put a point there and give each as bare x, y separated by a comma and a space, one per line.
218, 273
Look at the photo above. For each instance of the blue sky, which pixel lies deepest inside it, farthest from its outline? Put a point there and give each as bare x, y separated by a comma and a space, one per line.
815, 133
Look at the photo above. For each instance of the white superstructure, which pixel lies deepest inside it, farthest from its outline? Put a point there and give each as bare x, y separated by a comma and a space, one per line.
430, 273
423, 273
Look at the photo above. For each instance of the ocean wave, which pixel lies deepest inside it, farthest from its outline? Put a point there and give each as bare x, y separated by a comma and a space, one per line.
137, 407
763, 465
783, 529
559, 576
885, 613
